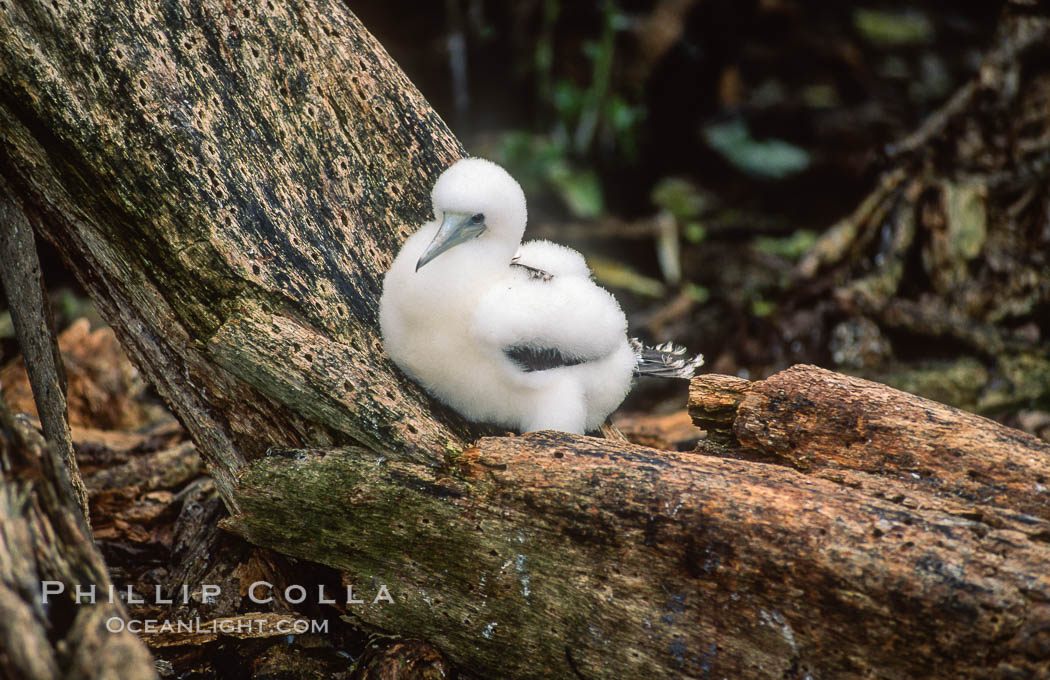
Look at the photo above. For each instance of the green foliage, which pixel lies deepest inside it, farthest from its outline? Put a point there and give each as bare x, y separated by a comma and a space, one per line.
567, 100
892, 29
579, 188
762, 308
694, 232
697, 293
679, 197
624, 121
967, 218
582, 114
543, 55
616, 274
540, 162
684, 202
67, 308
791, 247
769, 158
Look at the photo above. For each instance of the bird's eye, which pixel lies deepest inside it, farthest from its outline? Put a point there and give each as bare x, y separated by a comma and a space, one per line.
477, 219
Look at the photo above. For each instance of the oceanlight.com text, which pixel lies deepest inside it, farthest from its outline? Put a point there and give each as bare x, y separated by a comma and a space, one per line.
237, 626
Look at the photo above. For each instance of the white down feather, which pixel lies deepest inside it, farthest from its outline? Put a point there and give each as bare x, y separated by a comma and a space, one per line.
449, 324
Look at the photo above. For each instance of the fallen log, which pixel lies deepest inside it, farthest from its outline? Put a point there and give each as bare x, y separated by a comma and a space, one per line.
819, 420
589, 558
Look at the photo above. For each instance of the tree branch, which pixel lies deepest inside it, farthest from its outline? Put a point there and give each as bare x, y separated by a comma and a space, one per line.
31, 314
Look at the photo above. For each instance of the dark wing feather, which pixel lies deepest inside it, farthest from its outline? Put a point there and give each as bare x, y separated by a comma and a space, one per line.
665, 361
534, 273
531, 359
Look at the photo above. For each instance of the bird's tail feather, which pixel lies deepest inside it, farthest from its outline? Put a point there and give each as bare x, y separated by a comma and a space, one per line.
665, 361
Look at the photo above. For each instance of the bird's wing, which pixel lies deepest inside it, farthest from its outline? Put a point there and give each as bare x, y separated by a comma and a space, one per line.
552, 258
545, 324
532, 272
530, 359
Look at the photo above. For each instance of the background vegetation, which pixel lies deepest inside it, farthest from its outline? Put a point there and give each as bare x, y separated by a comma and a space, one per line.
697, 150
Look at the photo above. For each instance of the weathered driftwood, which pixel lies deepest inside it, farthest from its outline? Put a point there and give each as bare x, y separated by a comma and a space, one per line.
229, 184
44, 537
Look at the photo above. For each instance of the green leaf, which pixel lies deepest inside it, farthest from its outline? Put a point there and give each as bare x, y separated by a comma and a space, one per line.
892, 29
568, 100
771, 158
697, 293
694, 232
761, 308
618, 275
967, 218
579, 188
679, 197
790, 247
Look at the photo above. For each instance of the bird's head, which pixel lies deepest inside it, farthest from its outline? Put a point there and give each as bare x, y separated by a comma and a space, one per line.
476, 200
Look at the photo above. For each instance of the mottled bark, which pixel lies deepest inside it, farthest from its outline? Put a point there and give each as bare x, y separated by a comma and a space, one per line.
230, 183
814, 419
23, 287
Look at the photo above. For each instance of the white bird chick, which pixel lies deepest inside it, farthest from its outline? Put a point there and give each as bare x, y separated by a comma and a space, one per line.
504, 333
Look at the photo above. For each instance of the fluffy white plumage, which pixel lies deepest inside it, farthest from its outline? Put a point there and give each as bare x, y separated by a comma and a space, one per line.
505, 333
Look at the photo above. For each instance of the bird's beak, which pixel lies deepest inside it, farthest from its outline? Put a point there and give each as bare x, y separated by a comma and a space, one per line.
456, 228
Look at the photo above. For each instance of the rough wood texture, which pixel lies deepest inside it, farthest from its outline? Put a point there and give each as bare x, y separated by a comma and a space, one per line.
43, 537
229, 182
713, 400
401, 660
594, 559
24, 288
814, 419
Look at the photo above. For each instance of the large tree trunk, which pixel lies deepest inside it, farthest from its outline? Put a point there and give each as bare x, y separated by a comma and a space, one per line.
230, 183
